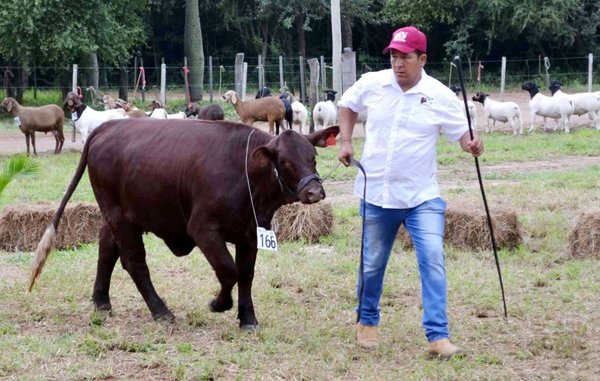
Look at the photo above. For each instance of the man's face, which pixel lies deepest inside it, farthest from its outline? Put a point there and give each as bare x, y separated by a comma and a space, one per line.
407, 67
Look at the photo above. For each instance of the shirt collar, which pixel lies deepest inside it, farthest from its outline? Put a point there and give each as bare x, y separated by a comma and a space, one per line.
420, 88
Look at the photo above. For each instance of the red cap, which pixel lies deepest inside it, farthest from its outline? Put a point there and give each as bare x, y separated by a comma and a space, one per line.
407, 40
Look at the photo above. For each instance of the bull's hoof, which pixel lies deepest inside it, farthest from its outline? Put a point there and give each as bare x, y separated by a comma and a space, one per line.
250, 328
217, 305
103, 306
166, 317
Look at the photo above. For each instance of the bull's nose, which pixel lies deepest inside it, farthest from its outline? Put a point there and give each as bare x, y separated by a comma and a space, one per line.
315, 195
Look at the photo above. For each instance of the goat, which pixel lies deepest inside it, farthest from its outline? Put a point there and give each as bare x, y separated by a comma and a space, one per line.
471, 106
500, 111
108, 102
263, 92
548, 107
48, 118
325, 112
131, 110
584, 103
87, 119
207, 112
267, 109
299, 112
159, 112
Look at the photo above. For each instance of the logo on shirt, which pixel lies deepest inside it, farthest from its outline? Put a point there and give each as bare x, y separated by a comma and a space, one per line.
426, 101
400, 36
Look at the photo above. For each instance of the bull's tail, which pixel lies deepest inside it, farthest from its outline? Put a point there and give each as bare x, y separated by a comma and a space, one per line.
47, 241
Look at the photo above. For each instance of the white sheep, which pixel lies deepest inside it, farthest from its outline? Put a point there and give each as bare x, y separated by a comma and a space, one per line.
87, 119
584, 103
500, 111
324, 113
548, 107
268, 109
159, 112
471, 106
299, 111
48, 118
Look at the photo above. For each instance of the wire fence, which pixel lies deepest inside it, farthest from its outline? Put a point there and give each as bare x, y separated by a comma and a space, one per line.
575, 72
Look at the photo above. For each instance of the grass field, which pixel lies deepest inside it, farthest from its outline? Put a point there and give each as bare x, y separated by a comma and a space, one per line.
304, 295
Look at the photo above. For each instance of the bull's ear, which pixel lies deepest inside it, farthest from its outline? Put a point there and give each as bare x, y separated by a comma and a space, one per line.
322, 137
262, 156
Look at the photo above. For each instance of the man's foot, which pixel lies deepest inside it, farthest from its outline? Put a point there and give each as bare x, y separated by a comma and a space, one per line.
367, 336
443, 349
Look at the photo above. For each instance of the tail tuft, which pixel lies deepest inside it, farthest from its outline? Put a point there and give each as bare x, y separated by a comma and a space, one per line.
41, 254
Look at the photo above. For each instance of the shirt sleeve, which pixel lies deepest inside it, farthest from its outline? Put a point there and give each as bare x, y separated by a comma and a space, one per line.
354, 97
454, 124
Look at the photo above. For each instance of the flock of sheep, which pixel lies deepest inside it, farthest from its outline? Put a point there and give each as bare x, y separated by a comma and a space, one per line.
559, 106
275, 110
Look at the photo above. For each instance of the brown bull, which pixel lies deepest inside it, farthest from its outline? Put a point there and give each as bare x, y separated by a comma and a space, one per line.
185, 181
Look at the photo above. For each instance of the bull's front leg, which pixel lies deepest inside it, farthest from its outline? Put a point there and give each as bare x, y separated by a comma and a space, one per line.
245, 259
215, 250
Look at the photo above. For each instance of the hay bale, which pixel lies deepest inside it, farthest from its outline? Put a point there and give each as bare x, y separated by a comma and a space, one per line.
467, 228
584, 237
297, 221
22, 226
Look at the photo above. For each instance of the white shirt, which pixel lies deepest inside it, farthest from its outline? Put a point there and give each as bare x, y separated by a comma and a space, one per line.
402, 128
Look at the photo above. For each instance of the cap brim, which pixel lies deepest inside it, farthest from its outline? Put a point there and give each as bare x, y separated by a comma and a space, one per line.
400, 48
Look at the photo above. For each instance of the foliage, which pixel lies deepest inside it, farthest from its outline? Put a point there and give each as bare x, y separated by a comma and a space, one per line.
59, 32
16, 166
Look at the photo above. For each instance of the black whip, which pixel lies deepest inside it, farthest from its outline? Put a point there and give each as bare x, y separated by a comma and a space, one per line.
487, 210
361, 270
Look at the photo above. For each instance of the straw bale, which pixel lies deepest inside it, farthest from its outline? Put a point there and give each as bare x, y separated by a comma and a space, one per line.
22, 226
297, 221
584, 237
467, 228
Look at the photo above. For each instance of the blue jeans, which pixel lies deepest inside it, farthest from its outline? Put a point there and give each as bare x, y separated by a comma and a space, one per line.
425, 225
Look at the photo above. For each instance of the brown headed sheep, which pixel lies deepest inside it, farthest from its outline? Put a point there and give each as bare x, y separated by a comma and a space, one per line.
48, 118
267, 109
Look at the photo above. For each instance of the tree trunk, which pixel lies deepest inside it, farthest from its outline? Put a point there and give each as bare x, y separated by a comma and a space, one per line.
124, 84
193, 49
94, 73
301, 35
346, 31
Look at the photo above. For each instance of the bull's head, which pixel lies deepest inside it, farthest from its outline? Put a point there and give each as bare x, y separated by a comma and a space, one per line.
293, 159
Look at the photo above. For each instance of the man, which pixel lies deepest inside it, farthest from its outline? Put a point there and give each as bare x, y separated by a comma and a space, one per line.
407, 112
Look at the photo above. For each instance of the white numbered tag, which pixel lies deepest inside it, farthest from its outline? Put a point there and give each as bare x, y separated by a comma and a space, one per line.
266, 239
17, 121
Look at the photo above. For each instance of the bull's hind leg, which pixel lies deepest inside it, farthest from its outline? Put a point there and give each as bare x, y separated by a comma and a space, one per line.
245, 259
133, 258
108, 253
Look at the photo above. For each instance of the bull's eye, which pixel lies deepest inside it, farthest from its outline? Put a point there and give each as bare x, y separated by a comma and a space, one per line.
288, 165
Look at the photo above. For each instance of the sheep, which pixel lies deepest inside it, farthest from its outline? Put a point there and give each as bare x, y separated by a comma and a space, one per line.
48, 118
86, 119
207, 112
584, 103
131, 110
299, 112
500, 111
263, 92
325, 112
471, 106
267, 109
548, 107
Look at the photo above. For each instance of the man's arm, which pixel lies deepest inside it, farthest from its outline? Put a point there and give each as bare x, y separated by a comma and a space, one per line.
346, 120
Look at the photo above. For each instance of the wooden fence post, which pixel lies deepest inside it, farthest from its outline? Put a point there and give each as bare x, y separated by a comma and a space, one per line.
244, 80
281, 82
590, 71
239, 73
348, 68
313, 89
210, 78
502, 78
321, 95
163, 83
74, 89
302, 88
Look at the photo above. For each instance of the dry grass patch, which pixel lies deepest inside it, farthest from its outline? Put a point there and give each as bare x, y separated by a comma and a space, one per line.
301, 222
22, 226
467, 228
584, 238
